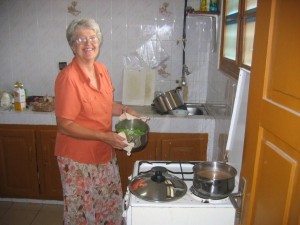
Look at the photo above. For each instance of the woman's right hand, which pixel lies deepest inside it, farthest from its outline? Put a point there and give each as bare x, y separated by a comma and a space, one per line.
115, 140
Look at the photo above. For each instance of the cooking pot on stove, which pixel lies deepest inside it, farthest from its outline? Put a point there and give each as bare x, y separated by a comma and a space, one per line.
157, 185
213, 180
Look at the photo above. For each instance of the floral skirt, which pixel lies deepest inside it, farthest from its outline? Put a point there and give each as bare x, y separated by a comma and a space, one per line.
92, 193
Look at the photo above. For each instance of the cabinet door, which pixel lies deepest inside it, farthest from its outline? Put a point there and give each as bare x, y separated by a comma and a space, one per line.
126, 162
182, 147
50, 184
18, 173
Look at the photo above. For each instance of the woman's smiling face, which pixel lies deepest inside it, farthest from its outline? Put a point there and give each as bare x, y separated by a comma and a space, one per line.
86, 45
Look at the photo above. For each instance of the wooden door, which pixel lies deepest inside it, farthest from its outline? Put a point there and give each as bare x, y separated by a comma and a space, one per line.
50, 183
182, 147
271, 163
18, 167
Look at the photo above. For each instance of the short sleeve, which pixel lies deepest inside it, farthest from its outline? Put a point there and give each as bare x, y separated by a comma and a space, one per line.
66, 99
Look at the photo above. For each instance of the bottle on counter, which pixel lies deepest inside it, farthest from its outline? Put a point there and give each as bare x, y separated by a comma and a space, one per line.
213, 6
5, 101
19, 97
203, 6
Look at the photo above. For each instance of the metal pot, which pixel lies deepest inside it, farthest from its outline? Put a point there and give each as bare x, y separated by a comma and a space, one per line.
160, 104
168, 101
157, 185
173, 99
214, 180
140, 141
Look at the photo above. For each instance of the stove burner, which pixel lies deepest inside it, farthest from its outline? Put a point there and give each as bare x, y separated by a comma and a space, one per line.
183, 174
198, 194
204, 198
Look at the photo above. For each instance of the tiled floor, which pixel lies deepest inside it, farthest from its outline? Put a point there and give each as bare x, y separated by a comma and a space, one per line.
15, 213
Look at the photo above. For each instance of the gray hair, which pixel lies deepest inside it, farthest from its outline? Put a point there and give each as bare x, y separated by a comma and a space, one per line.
82, 23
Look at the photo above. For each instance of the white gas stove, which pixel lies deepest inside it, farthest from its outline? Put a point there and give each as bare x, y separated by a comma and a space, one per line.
187, 210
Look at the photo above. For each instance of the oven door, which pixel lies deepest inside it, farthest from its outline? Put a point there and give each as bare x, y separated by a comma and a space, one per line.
168, 214
179, 216
127, 209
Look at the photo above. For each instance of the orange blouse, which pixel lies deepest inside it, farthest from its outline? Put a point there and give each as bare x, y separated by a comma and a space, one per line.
80, 102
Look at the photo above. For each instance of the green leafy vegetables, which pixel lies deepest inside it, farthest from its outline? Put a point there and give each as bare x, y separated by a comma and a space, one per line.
134, 132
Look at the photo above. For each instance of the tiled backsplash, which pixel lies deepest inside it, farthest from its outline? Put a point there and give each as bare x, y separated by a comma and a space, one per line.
33, 42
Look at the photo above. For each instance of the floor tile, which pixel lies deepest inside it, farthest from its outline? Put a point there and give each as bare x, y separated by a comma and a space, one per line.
48, 218
5, 204
49, 215
15, 213
4, 207
27, 206
53, 208
18, 217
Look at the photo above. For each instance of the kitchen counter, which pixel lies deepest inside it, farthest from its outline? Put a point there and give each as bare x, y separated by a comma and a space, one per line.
157, 123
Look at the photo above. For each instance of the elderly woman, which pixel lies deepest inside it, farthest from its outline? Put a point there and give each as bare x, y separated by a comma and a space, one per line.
85, 142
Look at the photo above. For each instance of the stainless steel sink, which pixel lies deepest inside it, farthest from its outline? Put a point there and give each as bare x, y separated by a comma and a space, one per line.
218, 109
195, 109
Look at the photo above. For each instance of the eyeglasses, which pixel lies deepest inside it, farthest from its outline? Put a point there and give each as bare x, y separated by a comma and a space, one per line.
83, 40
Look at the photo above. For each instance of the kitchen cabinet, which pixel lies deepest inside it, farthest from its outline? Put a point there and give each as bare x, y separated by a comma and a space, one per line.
181, 147
50, 183
28, 165
18, 173
29, 168
166, 147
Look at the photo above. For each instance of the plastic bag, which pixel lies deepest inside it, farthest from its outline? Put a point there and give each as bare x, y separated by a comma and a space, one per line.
150, 54
133, 60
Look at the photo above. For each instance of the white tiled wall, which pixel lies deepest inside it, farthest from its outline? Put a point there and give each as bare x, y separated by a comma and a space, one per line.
33, 42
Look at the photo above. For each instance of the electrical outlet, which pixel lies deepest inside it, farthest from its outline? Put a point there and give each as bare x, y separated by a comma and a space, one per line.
62, 65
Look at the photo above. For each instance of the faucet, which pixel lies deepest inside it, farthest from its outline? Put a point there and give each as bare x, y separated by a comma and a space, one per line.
185, 72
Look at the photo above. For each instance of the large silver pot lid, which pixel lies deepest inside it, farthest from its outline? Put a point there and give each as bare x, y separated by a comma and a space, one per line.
157, 185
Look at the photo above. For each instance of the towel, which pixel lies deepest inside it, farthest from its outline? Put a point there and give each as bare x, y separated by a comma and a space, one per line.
127, 116
129, 146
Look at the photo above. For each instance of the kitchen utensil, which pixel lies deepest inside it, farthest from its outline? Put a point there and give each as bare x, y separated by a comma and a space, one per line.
173, 99
169, 100
159, 103
214, 180
130, 128
179, 112
157, 186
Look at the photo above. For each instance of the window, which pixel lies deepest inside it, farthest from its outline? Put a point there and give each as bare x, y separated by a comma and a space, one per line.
237, 35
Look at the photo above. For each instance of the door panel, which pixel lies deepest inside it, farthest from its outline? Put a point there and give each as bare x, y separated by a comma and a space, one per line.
284, 85
183, 150
50, 178
276, 181
18, 168
182, 147
271, 160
